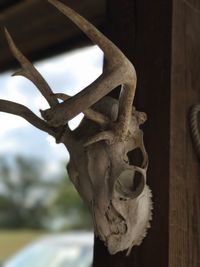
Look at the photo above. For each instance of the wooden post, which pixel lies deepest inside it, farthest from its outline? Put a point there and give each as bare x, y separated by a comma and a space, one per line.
162, 39
184, 213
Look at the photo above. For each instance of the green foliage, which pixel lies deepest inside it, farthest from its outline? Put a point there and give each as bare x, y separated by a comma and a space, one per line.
27, 200
67, 201
19, 181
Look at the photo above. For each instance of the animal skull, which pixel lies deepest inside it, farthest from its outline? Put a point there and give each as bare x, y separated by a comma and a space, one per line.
113, 187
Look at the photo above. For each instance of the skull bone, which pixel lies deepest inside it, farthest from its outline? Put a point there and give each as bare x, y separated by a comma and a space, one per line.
113, 188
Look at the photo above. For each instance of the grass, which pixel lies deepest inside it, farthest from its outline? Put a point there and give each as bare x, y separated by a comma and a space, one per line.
13, 240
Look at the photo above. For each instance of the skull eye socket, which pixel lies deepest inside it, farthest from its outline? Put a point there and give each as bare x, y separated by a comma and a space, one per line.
130, 183
135, 157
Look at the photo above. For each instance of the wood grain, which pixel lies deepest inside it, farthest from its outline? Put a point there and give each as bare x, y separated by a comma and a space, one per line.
143, 32
163, 41
184, 217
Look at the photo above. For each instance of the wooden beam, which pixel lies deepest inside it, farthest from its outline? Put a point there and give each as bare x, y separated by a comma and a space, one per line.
162, 39
4, 4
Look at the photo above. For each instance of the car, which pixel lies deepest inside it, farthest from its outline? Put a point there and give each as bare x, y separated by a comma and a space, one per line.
63, 250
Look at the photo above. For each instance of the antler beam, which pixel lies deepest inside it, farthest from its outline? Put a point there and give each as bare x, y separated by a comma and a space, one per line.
118, 71
30, 72
27, 114
89, 113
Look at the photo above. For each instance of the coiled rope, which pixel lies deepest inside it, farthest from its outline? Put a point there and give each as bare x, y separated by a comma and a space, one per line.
194, 122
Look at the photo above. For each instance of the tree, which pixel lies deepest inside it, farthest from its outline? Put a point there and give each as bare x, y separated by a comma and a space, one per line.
23, 196
68, 203
27, 200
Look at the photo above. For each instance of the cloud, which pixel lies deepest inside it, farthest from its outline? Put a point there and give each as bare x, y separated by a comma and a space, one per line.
72, 72
10, 122
68, 73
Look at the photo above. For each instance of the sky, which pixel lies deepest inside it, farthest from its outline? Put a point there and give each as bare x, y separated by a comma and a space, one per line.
68, 73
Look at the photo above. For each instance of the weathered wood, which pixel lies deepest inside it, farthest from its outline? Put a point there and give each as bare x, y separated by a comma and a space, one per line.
4, 4
152, 55
163, 41
117, 17
184, 216
144, 34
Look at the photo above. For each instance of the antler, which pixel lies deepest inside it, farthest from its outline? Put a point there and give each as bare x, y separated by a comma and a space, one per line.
29, 71
27, 114
118, 71
108, 177
89, 113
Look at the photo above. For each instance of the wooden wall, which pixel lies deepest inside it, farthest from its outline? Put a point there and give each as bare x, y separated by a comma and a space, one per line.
184, 214
162, 38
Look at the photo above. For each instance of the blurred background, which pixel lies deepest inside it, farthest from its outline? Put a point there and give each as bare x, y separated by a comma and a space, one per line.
36, 195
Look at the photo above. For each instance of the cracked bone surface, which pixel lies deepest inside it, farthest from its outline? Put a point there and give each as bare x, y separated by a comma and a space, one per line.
108, 160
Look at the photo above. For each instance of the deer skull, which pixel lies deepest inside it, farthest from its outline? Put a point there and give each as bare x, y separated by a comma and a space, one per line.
113, 187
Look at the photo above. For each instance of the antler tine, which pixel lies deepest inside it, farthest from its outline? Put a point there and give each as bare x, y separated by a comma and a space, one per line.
30, 72
110, 50
27, 114
119, 71
89, 113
